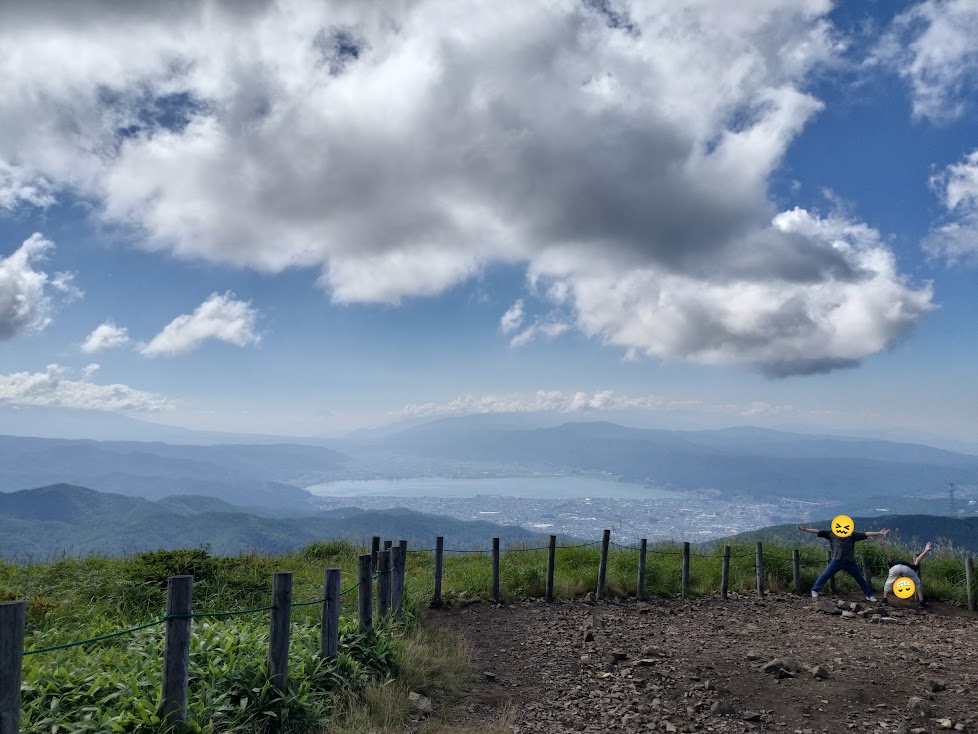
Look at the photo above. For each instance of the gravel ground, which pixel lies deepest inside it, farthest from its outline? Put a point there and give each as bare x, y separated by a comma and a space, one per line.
781, 664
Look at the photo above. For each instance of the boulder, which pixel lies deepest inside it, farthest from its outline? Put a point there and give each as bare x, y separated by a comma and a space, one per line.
824, 605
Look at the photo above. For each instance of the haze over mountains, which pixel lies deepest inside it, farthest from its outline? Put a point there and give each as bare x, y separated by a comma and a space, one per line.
750, 462
253, 494
244, 475
48, 521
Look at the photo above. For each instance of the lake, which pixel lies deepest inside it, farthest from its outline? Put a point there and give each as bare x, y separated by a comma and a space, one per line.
547, 487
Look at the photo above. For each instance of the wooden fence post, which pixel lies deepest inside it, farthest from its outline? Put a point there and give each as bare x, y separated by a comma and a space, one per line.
280, 622
388, 544
969, 576
384, 585
396, 601
603, 563
495, 570
828, 554
551, 563
365, 597
401, 579
12, 620
725, 572
374, 550
176, 656
439, 565
759, 569
685, 576
796, 569
329, 634
643, 546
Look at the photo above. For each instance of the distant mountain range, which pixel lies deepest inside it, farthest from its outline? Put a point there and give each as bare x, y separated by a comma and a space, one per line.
268, 478
746, 461
254, 476
63, 519
47, 421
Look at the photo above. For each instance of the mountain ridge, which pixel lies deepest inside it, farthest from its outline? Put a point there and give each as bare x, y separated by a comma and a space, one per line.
104, 523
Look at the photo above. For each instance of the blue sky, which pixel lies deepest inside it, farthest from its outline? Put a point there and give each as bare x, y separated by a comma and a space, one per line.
305, 218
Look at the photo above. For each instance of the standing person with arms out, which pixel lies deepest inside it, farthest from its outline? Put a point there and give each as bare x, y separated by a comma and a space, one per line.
910, 570
843, 557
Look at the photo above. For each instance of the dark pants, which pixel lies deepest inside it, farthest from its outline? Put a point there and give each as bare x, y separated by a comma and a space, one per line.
850, 568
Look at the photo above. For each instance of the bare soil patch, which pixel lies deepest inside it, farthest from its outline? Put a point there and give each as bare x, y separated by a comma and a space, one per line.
669, 665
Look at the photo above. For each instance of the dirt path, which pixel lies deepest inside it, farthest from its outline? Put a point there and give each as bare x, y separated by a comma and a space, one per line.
674, 666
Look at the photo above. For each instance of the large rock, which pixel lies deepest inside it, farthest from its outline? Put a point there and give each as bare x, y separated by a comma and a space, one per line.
824, 605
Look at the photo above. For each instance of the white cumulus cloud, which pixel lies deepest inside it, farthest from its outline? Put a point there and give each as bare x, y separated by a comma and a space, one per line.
549, 329
220, 317
511, 320
105, 336
18, 186
621, 152
956, 239
934, 47
52, 387
25, 292
780, 325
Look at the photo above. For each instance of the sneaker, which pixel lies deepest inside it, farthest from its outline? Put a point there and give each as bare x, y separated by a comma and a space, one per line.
871, 598
814, 594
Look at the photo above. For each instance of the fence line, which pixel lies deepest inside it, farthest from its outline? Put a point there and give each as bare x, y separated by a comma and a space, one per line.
178, 620
387, 567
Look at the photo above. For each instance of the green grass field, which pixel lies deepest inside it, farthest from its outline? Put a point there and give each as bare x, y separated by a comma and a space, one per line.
114, 685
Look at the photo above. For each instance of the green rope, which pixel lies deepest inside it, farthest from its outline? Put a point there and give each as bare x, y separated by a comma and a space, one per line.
307, 603
215, 615
120, 633
108, 636
351, 588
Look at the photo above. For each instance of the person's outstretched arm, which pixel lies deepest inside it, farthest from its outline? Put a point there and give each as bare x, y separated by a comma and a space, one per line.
918, 559
876, 533
803, 529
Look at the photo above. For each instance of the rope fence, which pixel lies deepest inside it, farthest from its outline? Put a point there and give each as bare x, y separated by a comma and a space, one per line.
387, 568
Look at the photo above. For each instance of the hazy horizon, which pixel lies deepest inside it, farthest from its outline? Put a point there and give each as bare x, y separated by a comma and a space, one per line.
81, 425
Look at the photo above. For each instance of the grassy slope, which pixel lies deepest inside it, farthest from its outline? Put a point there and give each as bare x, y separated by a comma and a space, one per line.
116, 683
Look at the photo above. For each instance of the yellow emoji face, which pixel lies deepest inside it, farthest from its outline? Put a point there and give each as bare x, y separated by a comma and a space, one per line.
904, 587
842, 526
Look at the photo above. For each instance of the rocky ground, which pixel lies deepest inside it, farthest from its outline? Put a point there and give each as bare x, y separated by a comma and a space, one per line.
781, 664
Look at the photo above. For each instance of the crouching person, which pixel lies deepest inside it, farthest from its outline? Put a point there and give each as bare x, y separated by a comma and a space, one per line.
900, 569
